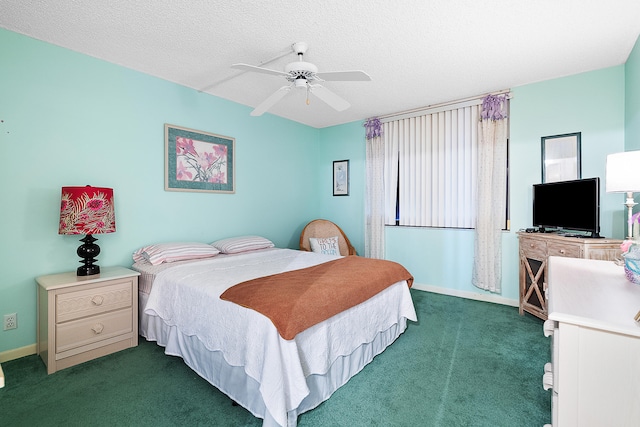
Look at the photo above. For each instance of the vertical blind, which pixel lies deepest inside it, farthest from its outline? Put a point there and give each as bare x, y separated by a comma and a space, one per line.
431, 166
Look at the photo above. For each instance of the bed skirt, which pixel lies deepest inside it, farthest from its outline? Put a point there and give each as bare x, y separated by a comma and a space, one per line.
235, 383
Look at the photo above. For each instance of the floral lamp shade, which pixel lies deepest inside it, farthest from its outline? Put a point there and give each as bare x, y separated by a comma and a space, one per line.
87, 210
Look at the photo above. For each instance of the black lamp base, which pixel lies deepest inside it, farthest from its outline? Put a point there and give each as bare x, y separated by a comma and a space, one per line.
88, 251
88, 270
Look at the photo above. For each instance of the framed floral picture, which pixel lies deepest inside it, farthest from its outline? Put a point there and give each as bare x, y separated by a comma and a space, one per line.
341, 178
198, 161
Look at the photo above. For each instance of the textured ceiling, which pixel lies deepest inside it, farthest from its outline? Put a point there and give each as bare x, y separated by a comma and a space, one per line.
417, 52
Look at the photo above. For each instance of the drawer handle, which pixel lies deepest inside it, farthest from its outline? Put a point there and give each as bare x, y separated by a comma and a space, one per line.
531, 245
548, 327
97, 300
98, 328
561, 251
547, 380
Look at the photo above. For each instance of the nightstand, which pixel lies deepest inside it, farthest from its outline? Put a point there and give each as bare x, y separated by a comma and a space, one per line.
84, 317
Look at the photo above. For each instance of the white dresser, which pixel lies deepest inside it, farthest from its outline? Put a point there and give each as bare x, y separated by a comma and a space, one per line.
594, 374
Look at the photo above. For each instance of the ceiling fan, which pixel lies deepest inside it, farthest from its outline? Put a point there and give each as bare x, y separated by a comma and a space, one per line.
303, 75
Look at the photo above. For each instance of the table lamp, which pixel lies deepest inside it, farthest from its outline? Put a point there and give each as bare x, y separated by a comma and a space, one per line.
623, 176
87, 210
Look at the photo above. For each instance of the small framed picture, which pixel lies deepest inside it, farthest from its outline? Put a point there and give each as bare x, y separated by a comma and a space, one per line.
341, 178
561, 157
198, 161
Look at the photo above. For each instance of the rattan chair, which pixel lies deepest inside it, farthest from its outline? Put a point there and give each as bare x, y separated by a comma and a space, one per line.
325, 228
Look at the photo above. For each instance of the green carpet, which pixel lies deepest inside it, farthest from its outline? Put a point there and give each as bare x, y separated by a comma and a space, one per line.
465, 363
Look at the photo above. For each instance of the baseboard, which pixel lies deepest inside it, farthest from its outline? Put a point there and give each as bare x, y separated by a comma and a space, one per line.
467, 294
17, 353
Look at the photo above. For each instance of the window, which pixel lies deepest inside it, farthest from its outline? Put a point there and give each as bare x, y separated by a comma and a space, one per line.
431, 167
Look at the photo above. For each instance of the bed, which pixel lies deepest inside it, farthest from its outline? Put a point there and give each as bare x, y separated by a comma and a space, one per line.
241, 352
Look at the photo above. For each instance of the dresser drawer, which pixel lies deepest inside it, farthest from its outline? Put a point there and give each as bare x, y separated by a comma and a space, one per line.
534, 249
559, 249
88, 302
81, 332
605, 254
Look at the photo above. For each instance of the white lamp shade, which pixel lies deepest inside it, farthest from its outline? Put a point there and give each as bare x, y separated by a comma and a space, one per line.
623, 172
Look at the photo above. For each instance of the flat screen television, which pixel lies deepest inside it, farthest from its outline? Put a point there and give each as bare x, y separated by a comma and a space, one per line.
568, 206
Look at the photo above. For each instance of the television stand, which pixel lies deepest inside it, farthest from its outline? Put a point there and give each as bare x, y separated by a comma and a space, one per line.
535, 250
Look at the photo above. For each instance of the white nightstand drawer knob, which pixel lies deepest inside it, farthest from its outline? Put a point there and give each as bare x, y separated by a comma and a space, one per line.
98, 328
97, 300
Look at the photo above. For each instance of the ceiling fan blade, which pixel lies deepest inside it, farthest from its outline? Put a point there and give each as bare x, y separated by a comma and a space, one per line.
329, 97
271, 100
344, 76
247, 67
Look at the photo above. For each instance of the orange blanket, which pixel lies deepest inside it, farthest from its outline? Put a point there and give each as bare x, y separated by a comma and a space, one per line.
296, 300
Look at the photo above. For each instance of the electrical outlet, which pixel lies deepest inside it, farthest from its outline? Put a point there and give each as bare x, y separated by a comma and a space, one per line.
10, 321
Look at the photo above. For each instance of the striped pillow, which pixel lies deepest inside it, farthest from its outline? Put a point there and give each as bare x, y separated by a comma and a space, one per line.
234, 245
170, 252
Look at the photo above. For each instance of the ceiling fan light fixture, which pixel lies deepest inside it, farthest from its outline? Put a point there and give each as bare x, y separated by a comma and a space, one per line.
300, 66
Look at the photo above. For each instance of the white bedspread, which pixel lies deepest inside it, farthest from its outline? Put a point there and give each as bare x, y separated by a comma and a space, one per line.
187, 297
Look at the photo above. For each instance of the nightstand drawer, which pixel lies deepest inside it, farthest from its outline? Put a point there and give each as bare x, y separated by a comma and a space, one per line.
75, 305
92, 329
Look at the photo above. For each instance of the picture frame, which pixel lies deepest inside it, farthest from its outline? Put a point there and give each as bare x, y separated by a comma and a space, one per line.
561, 160
198, 161
341, 178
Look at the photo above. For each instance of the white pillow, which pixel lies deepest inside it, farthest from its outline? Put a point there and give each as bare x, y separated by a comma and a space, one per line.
177, 251
234, 245
325, 245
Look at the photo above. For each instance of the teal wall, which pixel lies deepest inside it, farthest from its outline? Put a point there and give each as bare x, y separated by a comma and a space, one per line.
69, 119
344, 142
591, 103
632, 100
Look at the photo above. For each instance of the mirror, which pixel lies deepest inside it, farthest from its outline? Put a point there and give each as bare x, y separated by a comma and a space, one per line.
561, 157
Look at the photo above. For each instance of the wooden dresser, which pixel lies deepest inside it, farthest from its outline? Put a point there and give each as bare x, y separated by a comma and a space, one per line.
81, 318
594, 373
535, 250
